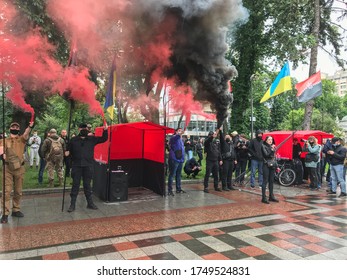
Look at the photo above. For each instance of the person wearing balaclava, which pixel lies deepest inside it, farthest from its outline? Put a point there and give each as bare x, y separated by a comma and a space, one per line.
81, 150
257, 160
14, 169
229, 160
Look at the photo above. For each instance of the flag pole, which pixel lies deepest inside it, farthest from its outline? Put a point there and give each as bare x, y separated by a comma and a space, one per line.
68, 138
3, 145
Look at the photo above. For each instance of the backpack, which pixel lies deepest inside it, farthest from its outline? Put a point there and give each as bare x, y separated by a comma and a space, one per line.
56, 153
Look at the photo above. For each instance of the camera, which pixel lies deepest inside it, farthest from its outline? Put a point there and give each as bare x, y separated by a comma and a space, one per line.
303, 140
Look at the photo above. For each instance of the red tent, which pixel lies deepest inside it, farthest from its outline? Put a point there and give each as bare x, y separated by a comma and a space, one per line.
286, 150
139, 148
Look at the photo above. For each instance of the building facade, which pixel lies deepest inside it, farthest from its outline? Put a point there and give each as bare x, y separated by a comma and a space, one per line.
340, 78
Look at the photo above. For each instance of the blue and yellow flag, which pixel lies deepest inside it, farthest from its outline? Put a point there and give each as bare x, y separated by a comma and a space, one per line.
111, 91
281, 84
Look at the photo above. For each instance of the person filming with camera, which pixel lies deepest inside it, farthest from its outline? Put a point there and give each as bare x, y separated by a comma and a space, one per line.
312, 159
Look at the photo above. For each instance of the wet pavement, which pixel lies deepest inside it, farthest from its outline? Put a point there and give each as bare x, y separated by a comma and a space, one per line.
194, 225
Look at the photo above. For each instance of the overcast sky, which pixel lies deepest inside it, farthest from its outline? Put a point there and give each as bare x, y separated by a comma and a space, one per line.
326, 63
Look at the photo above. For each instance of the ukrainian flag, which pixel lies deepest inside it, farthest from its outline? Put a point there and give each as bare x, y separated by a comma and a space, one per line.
111, 91
281, 84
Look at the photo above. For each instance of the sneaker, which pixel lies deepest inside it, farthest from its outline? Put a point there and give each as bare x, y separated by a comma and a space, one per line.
4, 219
180, 191
264, 200
217, 189
206, 191
225, 189
342, 194
170, 194
17, 214
252, 187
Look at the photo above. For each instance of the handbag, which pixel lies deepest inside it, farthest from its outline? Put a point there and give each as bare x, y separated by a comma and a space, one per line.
272, 163
226, 155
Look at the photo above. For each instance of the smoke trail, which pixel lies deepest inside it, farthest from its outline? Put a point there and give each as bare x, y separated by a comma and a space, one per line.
179, 39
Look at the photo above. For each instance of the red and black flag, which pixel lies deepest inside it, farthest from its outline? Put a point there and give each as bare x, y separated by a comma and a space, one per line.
310, 88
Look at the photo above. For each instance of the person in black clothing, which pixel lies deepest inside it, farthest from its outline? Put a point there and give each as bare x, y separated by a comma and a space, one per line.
81, 149
268, 151
188, 147
192, 167
229, 161
199, 150
297, 150
213, 160
67, 159
42, 159
254, 149
242, 159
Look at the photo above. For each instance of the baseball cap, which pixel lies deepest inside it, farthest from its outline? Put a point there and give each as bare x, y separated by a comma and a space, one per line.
14, 124
82, 125
234, 133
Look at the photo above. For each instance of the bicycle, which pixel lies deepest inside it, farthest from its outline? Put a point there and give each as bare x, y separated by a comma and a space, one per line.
284, 173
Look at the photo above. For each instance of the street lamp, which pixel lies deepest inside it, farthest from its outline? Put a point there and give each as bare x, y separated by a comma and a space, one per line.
252, 78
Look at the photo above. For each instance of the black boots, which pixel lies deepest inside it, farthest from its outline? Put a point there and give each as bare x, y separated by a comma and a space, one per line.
4, 219
90, 204
264, 200
72, 205
273, 199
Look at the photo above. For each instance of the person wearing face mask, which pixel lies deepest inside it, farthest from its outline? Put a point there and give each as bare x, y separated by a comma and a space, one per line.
257, 159
34, 143
81, 150
229, 161
312, 159
337, 156
14, 169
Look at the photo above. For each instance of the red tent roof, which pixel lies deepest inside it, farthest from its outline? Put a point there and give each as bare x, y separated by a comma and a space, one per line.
133, 141
286, 150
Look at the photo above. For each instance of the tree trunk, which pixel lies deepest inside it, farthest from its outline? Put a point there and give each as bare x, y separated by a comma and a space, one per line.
313, 64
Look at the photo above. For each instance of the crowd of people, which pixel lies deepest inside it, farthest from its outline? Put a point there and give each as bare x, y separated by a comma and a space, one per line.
52, 153
228, 157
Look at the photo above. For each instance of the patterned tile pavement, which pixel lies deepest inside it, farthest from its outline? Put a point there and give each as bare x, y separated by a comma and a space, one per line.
192, 226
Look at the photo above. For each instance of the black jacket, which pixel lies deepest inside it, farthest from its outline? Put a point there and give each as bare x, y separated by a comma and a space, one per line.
339, 155
255, 149
82, 150
190, 164
212, 149
267, 152
226, 148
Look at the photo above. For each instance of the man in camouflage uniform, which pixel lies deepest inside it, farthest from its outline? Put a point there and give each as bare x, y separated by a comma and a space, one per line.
54, 161
14, 169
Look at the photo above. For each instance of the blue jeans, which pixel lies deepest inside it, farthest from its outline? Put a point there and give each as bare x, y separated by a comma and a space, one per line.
256, 164
41, 170
175, 170
337, 177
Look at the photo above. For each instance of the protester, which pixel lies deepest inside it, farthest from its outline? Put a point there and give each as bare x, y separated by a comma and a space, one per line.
200, 150
188, 147
242, 159
192, 167
90, 129
42, 160
176, 160
34, 143
81, 149
337, 156
67, 159
297, 150
229, 160
13, 158
268, 152
213, 159
311, 160
53, 149
255, 150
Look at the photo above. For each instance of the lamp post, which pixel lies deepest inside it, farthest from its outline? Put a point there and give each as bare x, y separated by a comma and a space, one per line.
252, 78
